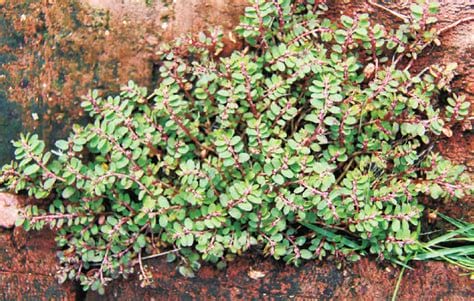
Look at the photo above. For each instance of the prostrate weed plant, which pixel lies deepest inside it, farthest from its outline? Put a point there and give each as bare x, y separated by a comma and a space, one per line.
315, 140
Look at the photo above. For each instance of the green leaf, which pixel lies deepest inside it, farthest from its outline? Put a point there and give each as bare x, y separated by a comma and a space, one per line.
141, 240
163, 220
234, 140
31, 169
396, 225
112, 220
287, 173
187, 240
68, 192
436, 191
149, 203
331, 121
347, 21
331, 235
19, 222
442, 253
243, 157
186, 271
280, 66
163, 202
306, 254
80, 141
235, 213
312, 118
122, 163
278, 179
280, 250
229, 162
49, 183
416, 9
62, 144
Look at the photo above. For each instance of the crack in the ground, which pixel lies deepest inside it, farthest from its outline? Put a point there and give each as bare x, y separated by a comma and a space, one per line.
26, 273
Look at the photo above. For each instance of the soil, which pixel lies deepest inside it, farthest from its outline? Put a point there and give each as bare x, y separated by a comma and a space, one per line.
53, 51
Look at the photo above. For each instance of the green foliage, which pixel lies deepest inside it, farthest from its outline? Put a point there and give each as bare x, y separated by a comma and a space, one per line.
452, 246
315, 140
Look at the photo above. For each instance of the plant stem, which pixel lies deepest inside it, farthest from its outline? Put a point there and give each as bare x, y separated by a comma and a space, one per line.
454, 24
392, 12
161, 254
399, 281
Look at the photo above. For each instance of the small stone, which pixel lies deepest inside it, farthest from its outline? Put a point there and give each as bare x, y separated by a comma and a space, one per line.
254, 274
10, 209
152, 40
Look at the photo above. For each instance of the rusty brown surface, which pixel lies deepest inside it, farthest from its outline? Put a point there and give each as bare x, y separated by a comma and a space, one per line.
53, 51
364, 280
27, 268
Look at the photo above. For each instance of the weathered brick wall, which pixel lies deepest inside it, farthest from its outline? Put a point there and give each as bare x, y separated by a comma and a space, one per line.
52, 51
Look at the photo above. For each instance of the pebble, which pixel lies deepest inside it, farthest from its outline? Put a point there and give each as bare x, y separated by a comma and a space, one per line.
10, 209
